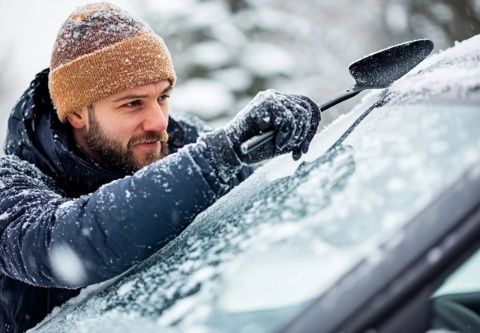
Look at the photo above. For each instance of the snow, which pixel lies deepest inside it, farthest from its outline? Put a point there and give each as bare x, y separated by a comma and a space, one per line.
119, 322
453, 72
470, 156
67, 265
229, 34
396, 17
203, 274
288, 114
250, 284
236, 78
125, 288
86, 232
173, 8
85, 293
443, 12
207, 14
264, 250
202, 97
265, 60
178, 311
66, 205
319, 144
210, 54
396, 184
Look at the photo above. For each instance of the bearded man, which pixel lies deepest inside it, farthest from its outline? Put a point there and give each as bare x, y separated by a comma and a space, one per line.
98, 176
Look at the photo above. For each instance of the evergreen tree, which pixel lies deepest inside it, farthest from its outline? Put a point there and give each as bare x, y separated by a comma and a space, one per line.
226, 51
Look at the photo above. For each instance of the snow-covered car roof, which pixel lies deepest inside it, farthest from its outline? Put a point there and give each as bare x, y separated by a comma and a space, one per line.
283, 237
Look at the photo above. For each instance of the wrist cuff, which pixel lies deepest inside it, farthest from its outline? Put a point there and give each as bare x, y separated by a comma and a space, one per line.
221, 155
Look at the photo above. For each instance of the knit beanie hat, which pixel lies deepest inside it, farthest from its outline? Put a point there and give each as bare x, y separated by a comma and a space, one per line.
101, 50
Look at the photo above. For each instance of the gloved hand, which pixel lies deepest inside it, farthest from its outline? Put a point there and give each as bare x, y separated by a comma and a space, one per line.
294, 118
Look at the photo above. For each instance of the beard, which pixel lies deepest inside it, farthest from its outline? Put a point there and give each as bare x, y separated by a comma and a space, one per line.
114, 156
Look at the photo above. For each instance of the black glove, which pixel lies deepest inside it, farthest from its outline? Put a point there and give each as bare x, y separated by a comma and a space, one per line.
294, 118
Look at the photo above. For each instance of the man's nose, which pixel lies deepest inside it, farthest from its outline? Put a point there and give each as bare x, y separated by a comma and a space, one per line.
155, 119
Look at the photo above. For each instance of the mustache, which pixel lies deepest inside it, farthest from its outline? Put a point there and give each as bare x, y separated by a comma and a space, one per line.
149, 137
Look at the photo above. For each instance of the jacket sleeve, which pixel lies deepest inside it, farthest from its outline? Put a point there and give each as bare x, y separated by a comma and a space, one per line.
47, 240
193, 127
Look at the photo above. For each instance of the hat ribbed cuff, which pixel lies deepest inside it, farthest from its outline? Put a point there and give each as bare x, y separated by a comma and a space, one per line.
139, 60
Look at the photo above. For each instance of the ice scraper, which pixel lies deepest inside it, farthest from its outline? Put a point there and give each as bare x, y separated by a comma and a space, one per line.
375, 71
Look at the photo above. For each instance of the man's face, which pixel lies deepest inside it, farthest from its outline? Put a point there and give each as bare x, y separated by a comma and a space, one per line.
128, 130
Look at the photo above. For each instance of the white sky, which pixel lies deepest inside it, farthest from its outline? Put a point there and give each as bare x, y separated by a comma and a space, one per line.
28, 29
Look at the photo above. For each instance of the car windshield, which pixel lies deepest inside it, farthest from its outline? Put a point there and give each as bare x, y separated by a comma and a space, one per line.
252, 260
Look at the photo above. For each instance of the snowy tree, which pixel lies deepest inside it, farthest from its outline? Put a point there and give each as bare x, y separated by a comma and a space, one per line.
226, 51
339, 32
444, 21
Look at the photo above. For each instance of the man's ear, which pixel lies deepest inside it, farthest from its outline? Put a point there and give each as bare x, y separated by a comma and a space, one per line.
78, 119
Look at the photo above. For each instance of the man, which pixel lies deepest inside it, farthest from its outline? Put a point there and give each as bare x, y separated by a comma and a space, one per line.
104, 177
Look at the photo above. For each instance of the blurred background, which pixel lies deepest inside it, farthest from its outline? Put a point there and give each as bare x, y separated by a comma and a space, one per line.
225, 51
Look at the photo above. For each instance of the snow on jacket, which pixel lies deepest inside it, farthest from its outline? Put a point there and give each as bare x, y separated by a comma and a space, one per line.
55, 200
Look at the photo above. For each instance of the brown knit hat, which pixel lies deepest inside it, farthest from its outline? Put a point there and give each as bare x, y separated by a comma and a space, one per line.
100, 51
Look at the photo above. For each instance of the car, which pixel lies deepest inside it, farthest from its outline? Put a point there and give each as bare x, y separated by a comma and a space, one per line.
368, 232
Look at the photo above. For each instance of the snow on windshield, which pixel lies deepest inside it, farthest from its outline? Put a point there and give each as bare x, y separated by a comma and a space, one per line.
450, 73
289, 231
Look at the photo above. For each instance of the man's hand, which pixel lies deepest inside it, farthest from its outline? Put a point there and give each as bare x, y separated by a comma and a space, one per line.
294, 119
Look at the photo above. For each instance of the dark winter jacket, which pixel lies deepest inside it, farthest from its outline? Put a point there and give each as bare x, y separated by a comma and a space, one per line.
65, 222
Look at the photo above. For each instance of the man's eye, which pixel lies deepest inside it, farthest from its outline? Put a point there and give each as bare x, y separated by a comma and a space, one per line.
163, 97
132, 104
